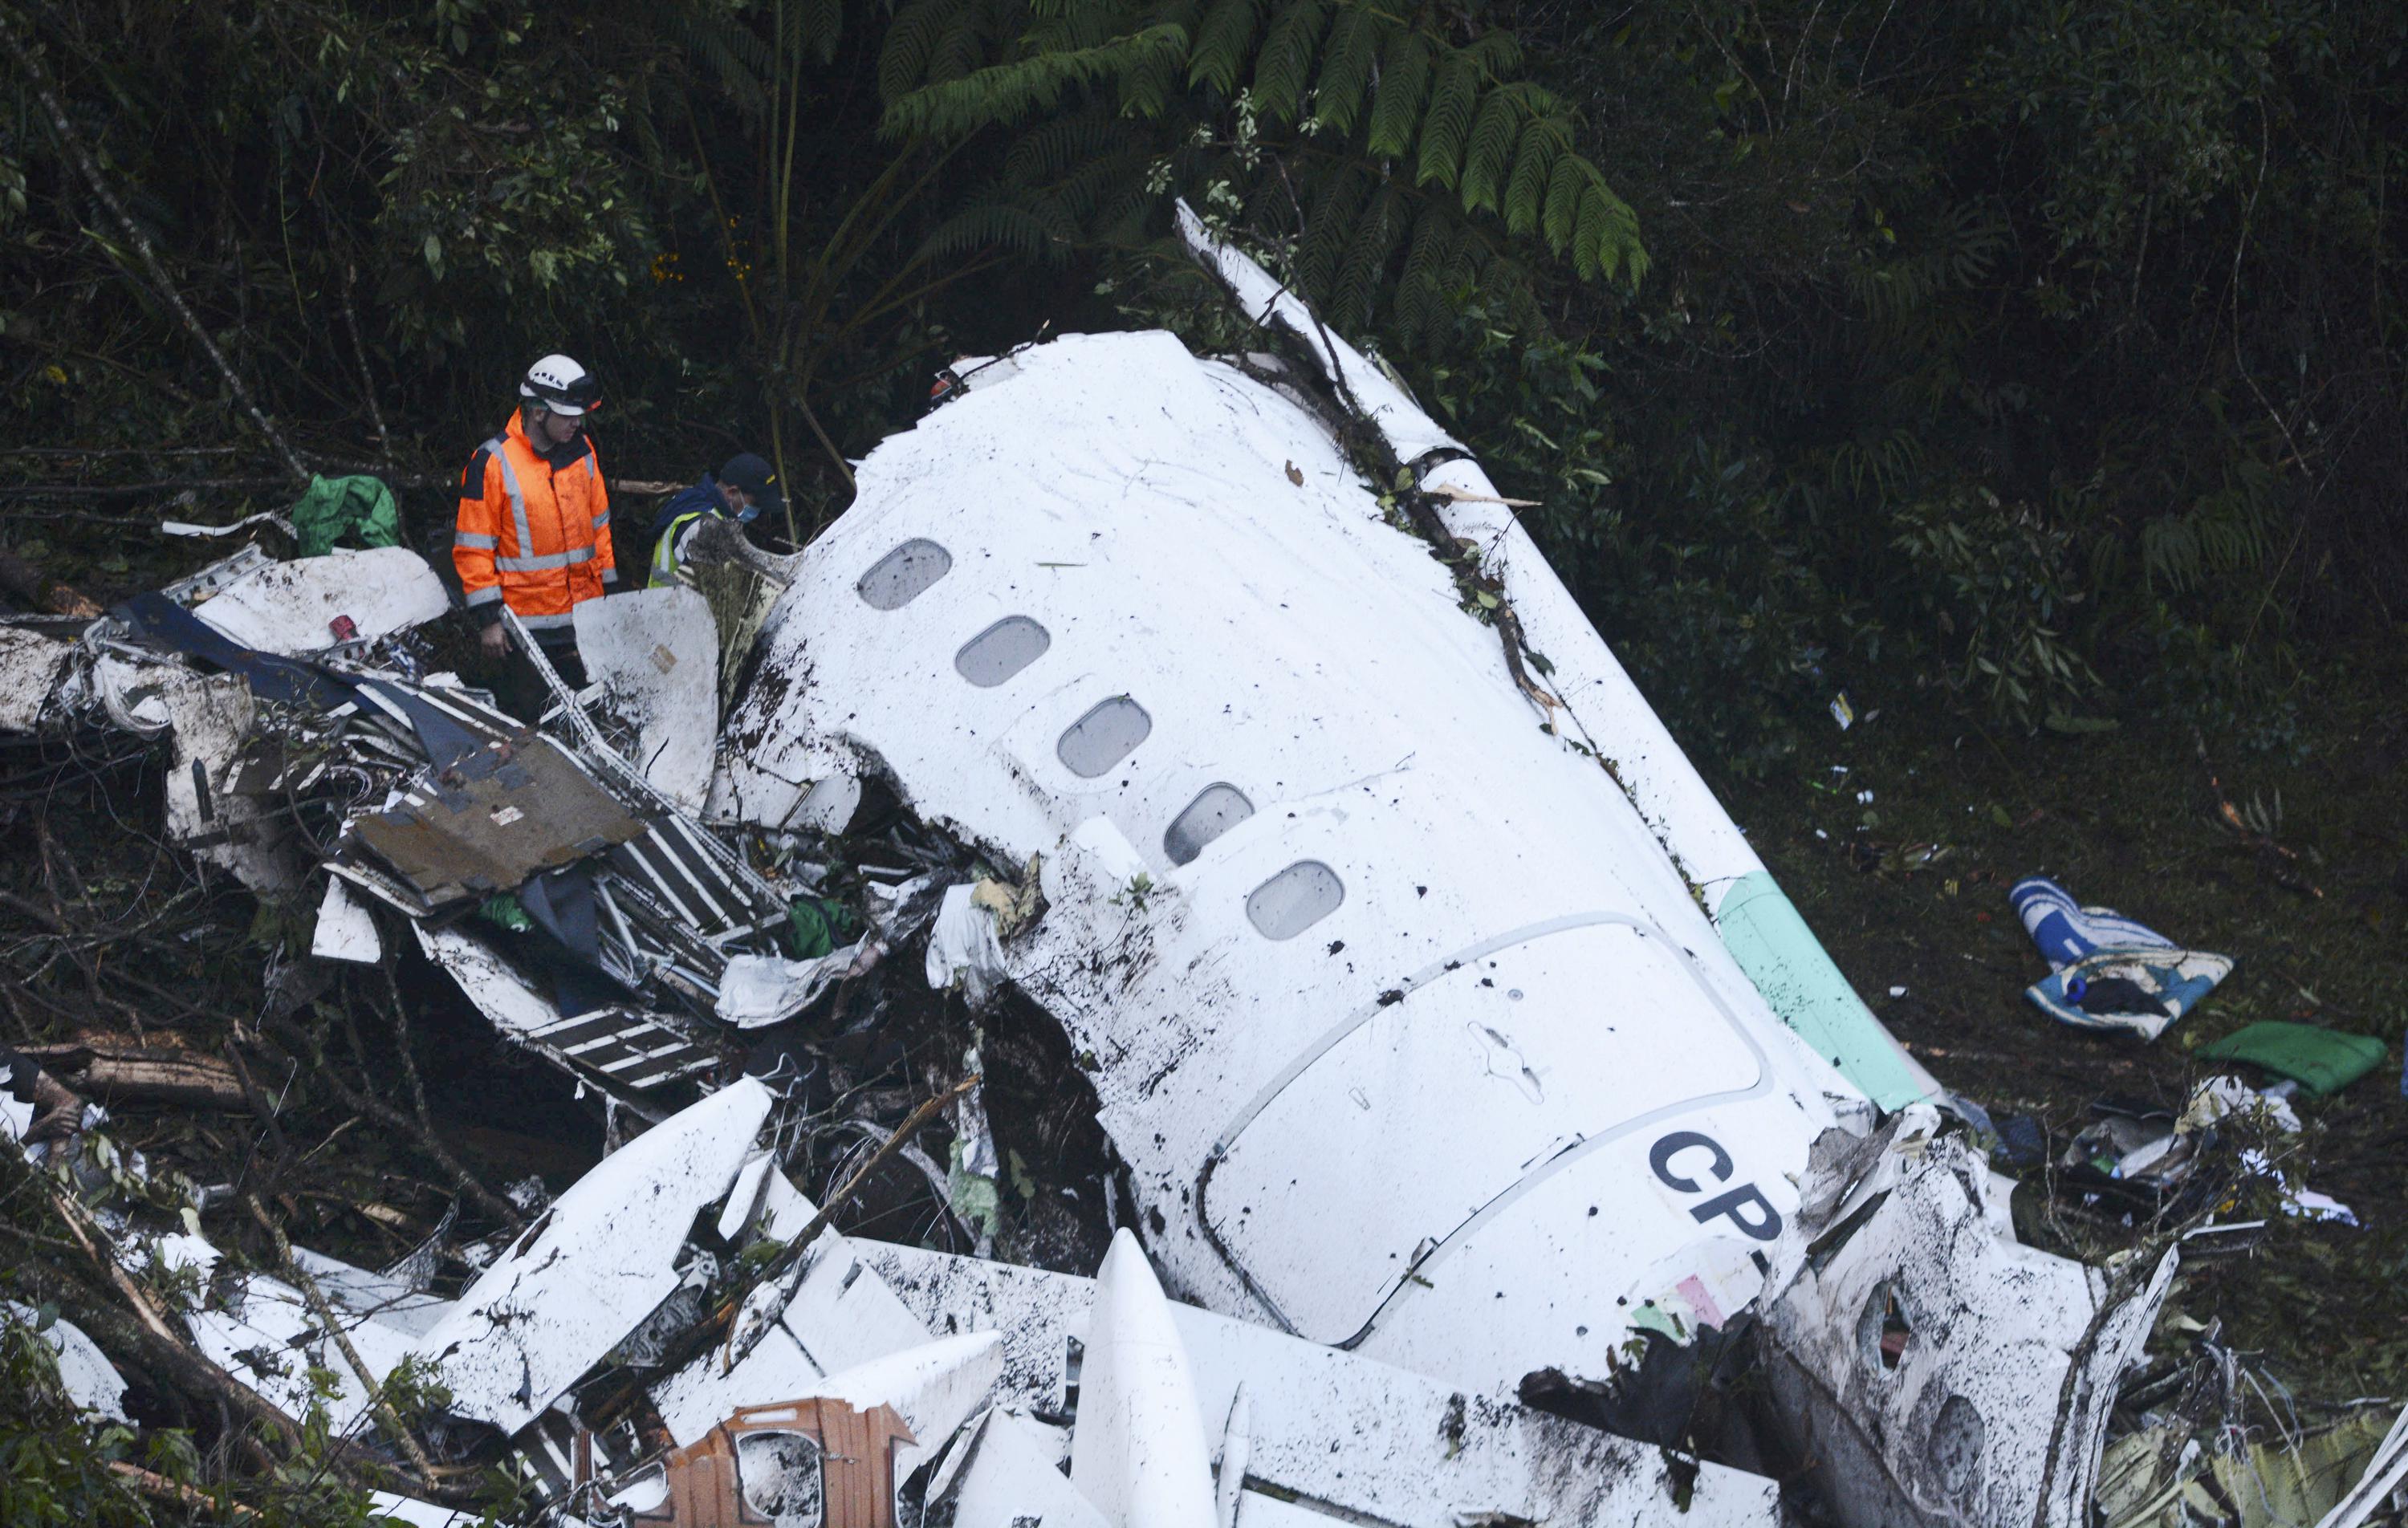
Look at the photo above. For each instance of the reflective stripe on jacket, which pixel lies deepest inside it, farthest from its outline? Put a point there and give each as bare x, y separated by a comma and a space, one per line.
531, 534
668, 567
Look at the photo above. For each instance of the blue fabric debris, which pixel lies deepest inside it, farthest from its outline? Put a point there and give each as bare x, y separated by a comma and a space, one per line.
2110, 972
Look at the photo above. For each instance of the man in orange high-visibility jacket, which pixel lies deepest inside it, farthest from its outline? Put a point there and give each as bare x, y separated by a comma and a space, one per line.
534, 531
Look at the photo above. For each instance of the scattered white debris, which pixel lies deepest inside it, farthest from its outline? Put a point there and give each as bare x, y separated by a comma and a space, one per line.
311, 604
655, 653
594, 1265
85, 1373
345, 930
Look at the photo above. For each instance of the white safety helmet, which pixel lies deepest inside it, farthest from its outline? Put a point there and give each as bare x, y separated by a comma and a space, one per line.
562, 385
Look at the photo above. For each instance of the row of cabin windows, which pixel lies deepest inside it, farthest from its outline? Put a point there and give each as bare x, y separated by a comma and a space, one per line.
1280, 907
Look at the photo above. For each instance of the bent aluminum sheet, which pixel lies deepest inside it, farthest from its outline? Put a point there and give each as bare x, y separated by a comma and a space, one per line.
594, 1266
612, 1046
1344, 1437
655, 654
292, 607
1395, 1057
496, 816
1599, 706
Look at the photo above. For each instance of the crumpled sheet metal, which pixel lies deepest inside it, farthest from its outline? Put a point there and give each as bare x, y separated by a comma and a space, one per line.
1942, 1374
30, 667
842, 1316
1279, 639
614, 1046
290, 608
1364, 1441
1003, 1471
594, 1265
493, 818
209, 718
262, 1330
655, 653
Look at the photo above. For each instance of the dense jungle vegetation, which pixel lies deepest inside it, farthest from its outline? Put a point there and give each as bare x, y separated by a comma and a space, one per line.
2033, 373
2042, 360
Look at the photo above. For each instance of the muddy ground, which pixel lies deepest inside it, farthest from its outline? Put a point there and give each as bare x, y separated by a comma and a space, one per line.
2314, 910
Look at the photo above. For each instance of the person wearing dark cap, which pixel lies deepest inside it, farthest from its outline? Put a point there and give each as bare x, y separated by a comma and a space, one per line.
742, 490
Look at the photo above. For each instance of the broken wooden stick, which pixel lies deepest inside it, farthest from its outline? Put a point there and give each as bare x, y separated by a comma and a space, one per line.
786, 1268
334, 1325
123, 1073
376, 1108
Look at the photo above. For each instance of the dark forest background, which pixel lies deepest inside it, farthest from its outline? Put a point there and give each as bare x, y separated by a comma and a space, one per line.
2040, 362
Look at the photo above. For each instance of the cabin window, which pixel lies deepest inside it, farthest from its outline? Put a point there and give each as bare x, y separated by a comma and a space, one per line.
1294, 900
1215, 812
904, 573
1103, 737
1001, 651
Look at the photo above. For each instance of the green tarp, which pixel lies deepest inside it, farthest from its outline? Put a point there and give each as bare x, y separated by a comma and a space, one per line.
2323, 1059
357, 510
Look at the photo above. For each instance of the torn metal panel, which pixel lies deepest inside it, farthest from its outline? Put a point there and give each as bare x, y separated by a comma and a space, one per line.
345, 930
615, 1046
1587, 688
31, 668
1357, 1440
312, 603
209, 719
1288, 645
493, 817
655, 653
1944, 1374
594, 1266
418, 1514
262, 1330
843, 1316
1003, 1474
1140, 1451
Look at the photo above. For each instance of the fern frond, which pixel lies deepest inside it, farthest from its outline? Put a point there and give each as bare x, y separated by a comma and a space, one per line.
1488, 155
1346, 64
1052, 149
912, 38
740, 60
1028, 228
1446, 126
1353, 295
1149, 86
1285, 63
1404, 85
1526, 190
1004, 93
1223, 39
1333, 209
813, 28
1561, 218
1420, 287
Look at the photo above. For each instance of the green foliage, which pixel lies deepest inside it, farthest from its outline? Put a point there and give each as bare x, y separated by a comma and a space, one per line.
1997, 584
1384, 150
54, 1468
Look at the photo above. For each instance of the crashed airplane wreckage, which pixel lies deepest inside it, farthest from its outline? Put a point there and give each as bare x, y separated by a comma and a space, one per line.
1458, 1050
